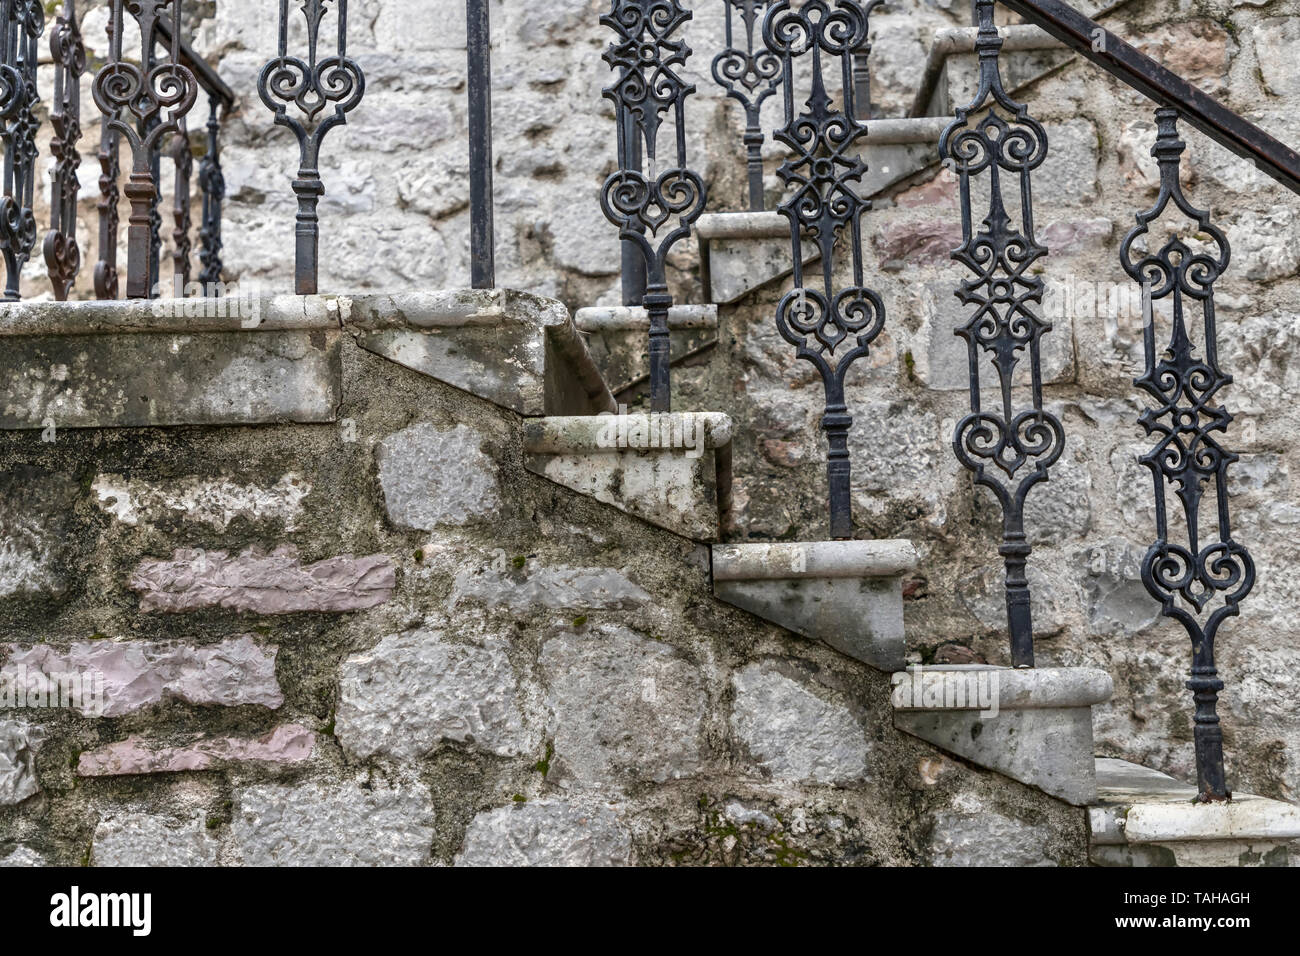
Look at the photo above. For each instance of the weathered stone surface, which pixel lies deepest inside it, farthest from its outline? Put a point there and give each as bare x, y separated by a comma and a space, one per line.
795, 734
34, 552
515, 349
1148, 818
1275, 44
546, 833
213, 502
983, 593
136, 839
1115, 599
1034, 726
136, 674
416, 690
973, 835
136, 755
545, 587
673, 470
18, 743
333, 824
942, 360
911, 242
433, 477
848, 594
1266, 245
23, 856
220, 378
255, 582
622, 707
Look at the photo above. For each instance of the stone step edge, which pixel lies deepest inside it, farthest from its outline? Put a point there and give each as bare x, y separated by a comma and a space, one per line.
958, 40
1017, 689
814, 559
633, 318
1139, 805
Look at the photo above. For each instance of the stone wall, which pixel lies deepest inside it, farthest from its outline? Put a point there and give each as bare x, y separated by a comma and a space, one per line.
384, 641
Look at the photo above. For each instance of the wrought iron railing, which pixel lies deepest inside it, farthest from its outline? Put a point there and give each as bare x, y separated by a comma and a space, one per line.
816, 54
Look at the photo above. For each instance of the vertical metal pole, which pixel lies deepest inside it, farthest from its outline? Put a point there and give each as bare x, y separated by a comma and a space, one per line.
634, 274
481, 237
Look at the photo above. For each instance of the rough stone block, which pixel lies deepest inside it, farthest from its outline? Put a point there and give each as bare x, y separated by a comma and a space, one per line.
138, 839
333, 824
131, 675
972, 834
526, 589
672, 470
622, 707
793, 733
432, 478
848, 594
211, 502
18, 743
417, 690
277, 583
546, 833
289, 744
1034, 726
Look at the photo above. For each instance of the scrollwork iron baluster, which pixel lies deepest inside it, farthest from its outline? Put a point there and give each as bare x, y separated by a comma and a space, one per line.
822, 207
1008, 451
106, 279
183, 160
311, 86
142, 106
212, 183
22, 23
62, 254
642, 198
750, 73
1187, 455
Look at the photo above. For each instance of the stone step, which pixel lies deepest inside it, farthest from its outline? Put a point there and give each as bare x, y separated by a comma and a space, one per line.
1147, 818
517, 350
847, 594
744, 251
672, 470
252, 359
951, 75
1033, 725
617, 339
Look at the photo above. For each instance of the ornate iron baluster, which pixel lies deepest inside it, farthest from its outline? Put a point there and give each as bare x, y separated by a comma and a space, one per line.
749, 76
106, 284
821, 207
134, 99
213, 185
1187, 454
641, 203
482, 236
183, 160
311, 86
1008, 451
23, 22
62, 255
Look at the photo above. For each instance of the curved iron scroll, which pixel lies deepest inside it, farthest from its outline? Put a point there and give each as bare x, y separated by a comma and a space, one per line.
311, 86
1187, 578
212, 183
21, 25
62, 254
820, 320
1009, 450
750, 74
643, 198
143, 104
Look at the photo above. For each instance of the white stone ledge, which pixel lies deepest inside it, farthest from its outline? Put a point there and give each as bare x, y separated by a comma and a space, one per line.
276, 313
817, 559
624, 318
906, 131
1026, 689
742, 225
1141, 805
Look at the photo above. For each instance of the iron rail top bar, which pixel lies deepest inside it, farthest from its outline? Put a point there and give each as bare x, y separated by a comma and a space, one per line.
204, 73
1165, 87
